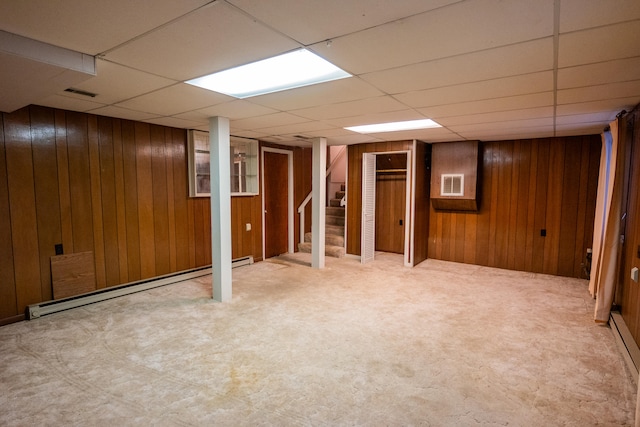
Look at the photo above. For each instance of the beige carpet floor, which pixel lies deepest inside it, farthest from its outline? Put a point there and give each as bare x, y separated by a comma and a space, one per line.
441, 344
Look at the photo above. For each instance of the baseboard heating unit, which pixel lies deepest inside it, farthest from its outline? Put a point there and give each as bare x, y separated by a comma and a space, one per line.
42, 309
626, 344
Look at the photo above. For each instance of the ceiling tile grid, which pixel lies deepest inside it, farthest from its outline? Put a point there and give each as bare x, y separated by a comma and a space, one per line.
483, 68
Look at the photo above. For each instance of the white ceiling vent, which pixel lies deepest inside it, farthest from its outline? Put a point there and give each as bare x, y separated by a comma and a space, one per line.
452, 184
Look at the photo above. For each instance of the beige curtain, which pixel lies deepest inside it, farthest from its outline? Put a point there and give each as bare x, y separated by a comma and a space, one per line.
606, 232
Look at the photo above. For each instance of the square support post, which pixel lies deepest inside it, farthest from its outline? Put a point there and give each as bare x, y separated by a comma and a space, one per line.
318, 201
220, 179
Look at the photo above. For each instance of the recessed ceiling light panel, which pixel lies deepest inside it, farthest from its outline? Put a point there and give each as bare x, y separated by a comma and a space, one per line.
290, 70
395, 126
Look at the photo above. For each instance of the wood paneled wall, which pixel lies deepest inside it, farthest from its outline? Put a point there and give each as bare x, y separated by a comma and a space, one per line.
629, 295
114, 187
526, 186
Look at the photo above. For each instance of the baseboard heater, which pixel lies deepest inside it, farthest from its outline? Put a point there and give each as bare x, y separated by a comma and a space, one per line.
35, 311
626, 344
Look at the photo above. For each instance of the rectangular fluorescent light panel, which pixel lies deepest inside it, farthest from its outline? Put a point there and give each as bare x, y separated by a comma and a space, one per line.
290, 70
395, 126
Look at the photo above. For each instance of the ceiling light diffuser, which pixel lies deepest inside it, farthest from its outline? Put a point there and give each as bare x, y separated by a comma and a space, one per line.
395, 126
290, 70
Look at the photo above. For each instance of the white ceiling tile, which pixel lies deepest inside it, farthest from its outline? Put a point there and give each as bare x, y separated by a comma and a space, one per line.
69, 103
373, 118
523, 58
580, 14
436, 134
122, 113
510, 134
600, 73
234, 110
175, 100
114, 83
216, 38
90, 26
173, 122
599, 44
521, 102
609, 105
345, 109
503, 126
449, 31
488, 89
268, 120
581, 129
600, 92
501, 116
336, 91
304, 128
355, 138
321, 20
600, 118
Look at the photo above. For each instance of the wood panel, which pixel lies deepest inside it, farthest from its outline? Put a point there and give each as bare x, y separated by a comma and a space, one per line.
73, 274
96, 202
160, 201
46, 191
22, 206
8, 303
108, 201
131, 200
526, 186
275, 203
114, 187
629, 298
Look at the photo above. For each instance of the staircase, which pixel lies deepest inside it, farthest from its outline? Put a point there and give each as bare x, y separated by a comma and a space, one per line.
334, 228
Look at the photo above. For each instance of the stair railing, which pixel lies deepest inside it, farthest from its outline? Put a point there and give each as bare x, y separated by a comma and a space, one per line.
306, 200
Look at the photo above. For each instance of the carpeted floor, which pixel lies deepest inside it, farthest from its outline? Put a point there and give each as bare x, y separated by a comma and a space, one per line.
441, 344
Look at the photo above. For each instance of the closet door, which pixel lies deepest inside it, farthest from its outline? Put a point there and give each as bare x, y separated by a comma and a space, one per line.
368, 234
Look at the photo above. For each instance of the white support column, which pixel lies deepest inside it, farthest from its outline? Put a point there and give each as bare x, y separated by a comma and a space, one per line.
219, 145
318, 203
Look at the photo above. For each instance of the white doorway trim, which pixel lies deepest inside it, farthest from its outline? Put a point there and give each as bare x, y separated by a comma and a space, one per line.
290, 232
408, 217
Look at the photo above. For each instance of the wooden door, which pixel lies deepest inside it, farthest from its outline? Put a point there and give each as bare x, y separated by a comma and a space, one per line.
276, 184
391, 182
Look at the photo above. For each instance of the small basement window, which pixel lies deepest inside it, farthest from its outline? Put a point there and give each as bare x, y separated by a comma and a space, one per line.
451, 184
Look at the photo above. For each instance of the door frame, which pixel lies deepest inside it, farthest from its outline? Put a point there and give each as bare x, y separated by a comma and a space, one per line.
290, 217
408, 214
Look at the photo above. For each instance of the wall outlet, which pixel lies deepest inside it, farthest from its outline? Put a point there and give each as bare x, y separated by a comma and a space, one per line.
634, 274
248, 226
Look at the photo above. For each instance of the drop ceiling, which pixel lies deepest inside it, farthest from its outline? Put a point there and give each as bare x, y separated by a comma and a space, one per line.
483, 69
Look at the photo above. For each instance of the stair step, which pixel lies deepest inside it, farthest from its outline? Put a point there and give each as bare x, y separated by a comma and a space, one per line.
343, 187
337, 230
329, 239
334, 220
334, 211
329, 250
340, 194
335, 203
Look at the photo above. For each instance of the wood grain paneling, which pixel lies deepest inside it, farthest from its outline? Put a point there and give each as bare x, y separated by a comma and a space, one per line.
46, 191
526, 186
114, 187
629, 296
22, 206
8, 303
